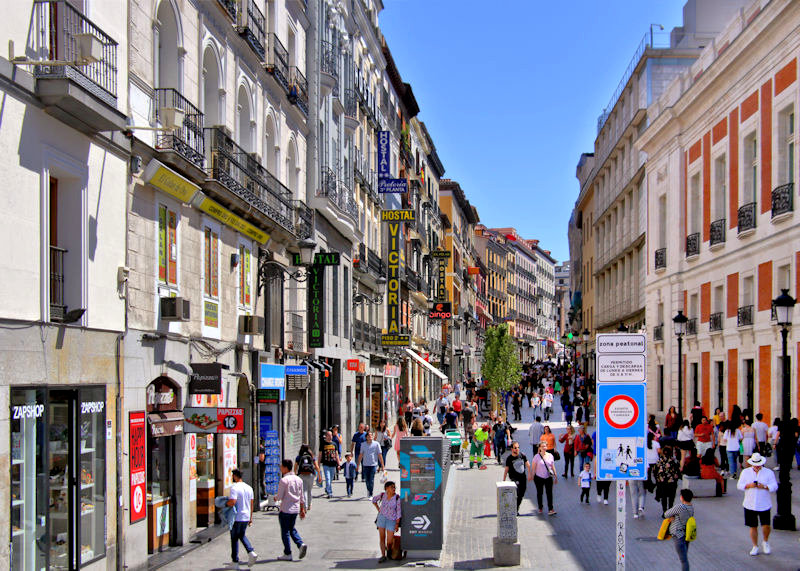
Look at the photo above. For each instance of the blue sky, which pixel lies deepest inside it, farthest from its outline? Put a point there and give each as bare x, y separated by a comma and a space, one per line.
511, 90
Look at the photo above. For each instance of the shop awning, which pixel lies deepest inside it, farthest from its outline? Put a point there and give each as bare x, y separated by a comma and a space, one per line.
165, 423
414, 355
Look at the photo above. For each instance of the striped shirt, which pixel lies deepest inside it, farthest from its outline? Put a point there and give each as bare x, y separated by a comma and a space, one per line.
680, 513
389, 508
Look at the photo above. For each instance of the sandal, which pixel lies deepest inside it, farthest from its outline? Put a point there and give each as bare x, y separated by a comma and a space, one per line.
382, 559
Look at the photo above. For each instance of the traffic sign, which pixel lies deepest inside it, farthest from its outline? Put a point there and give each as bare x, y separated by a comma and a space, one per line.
616, 343
621, 368
621, 431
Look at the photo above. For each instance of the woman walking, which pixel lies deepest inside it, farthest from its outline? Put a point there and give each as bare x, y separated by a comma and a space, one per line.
544, 477
388, 505
568, 439
384, 438
651, 458
672, 423
400, 431
667, 473
748, 441
733, 436
549, 439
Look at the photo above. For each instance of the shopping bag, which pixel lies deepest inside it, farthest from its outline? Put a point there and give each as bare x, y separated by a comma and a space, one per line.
663, 532
487, 449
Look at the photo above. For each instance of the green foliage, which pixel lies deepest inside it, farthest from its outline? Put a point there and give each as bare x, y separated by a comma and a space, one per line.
501, 367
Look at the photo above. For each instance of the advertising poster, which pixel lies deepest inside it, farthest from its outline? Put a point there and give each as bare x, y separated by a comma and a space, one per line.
213, 420
137, 432
229, 460
192, 467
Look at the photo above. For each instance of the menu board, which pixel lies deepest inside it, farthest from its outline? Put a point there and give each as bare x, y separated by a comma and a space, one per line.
273, 460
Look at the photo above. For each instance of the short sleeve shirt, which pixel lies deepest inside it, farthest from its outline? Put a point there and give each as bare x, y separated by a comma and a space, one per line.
243, 494
359, 438
516, 467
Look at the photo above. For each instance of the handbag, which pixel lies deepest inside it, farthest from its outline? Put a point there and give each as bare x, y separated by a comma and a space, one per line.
556, 455
663, 532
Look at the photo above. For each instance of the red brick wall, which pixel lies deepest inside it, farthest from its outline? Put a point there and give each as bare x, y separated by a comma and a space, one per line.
720, 131
785, 76
733, 295
733, 169
765, 286
764, 380
733, 378
694, 151
749, 106
765, 164
705, 302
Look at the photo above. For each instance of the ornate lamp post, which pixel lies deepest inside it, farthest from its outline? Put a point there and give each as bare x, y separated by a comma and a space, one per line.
784, 519
679, 323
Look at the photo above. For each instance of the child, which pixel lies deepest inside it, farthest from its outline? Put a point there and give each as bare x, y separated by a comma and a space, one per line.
586, 482
350, 472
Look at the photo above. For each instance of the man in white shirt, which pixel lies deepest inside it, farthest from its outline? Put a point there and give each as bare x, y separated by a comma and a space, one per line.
761, 429
442, 405
290, 496
757, 484
535, 433
241, 496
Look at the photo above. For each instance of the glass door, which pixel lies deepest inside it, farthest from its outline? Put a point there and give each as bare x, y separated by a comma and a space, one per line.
60, 466
91, 483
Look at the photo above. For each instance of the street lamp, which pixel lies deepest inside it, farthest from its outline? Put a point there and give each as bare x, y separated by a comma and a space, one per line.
360, 298
586, 335
784, 519
679, 323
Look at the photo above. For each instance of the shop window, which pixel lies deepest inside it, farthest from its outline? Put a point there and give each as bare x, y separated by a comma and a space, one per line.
167, 246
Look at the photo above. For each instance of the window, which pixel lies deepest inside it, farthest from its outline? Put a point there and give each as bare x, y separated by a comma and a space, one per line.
695, 208
245, 278
661, 387
747, 291
786, 146
695, 383
750, 168
211, 263
720, 384
346, 301
167, 246
719, 187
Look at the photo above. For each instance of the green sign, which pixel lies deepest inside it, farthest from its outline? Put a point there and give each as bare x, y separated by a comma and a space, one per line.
316, 306
320, 259
268, 396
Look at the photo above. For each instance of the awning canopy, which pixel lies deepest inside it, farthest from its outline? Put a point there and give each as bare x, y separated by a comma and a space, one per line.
414, 355
165, 423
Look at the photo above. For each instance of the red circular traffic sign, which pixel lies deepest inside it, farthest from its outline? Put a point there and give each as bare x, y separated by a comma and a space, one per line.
621, 412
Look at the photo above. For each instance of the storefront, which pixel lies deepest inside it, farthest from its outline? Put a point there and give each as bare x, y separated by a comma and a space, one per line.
391, 390
58, 477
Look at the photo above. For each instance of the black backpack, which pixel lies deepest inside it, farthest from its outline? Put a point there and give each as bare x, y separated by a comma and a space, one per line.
305, 464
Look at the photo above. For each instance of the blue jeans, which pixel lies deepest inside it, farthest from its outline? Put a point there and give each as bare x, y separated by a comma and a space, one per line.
368, 473
287, 522
682, 547
329, 471
733, 460
238, 534
349, 482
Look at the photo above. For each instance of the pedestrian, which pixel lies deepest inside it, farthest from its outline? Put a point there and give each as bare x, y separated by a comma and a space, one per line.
468, 418
704, 436
389, 509
547, 403
337, 440
457, 406
408, 411
672, 423
369, 459
568, 411
535, 432
582, 446
350, 471
651, 456
550, 441
400, 431
585, 482
696, 414
241, 498
516, 403
678, 517
667, 473
638, 495
451, 419
477, 445
685, 440
733, 436
537, 404
757, 485
442, 404
748, 441
290, 496
518, 470
416, 427
384, 438
568, 439
355, 443
500, 434
723, 444
708, 471
544, 476
760, 427
329, 460
306, 466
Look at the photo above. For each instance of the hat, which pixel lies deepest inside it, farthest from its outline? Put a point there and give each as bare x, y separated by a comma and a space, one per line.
757, 460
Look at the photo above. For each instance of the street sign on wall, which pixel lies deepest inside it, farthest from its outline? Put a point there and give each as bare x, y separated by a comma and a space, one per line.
621, 431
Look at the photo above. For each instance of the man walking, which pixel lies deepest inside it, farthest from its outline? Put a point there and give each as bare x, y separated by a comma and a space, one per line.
535, 434
678, 516
369, 459
329, 460
241, 497
757, 484
761, 429
290, 496
355, 446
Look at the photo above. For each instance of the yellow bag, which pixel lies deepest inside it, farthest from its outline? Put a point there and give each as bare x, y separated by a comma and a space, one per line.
465, 445
663, 532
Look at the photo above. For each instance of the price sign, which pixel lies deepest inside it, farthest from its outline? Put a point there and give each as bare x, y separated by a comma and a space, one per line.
213, 420
137, 433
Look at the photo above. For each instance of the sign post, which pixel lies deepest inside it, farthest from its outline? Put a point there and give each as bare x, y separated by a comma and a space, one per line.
621, 419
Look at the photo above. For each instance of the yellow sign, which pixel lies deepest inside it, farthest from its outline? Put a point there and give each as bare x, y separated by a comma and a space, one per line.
397, 215
211, 314
167, 180
225, 216
396, 340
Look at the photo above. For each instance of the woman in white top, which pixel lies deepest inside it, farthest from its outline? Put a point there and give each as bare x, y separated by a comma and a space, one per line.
685, 440
733, 436
748, 441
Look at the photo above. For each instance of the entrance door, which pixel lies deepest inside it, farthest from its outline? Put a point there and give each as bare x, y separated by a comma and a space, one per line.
749, 372
161, 491
61, 467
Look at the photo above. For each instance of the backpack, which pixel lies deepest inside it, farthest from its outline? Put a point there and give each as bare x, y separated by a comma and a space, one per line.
305, 465
691, 529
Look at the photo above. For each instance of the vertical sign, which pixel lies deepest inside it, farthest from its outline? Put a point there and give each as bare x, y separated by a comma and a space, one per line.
384, 154
137, 433
316, 306
272, 453
441, 256
395, 218
192, 467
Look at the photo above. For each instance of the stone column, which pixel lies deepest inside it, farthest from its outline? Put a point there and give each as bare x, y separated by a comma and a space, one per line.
505, 547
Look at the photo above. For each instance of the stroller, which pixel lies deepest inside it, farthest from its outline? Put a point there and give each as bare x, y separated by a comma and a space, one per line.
456, 447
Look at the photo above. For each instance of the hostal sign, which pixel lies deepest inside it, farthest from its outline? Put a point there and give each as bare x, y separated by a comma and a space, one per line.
395, 218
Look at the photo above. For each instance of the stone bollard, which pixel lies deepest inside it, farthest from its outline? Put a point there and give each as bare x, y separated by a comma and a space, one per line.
505, 547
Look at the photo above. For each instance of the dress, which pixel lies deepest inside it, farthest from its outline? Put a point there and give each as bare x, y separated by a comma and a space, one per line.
748, 442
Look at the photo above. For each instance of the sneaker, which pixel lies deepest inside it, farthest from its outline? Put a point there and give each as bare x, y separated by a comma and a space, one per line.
766, 548
605, 502
599, 499
252, 557
641, 510
754, 551
285, 557
635, 516
235, 565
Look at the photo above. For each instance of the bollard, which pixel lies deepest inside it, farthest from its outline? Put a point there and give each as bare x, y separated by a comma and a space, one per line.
505, 547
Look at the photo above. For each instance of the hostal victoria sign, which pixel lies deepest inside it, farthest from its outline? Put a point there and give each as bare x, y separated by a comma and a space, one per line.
395, 219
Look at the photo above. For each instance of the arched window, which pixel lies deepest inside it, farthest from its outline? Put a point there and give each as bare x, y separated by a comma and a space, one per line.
167, 72
211, 83
244, 127
271, 147
291, 168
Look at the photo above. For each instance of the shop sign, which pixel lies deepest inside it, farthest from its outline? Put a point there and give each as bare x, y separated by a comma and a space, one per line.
167, 180
392, 185
193, 467
296, 377
320, 259
227, 217
315, 286
229, 458
162, 394
24, 411
137, 463
441, 254
391, 370
352, 364
211, 314
473, 270
268, 396
205, 379
272, 377
384, 154
213, 420
406, 215
441, 280
441, 310
393, 337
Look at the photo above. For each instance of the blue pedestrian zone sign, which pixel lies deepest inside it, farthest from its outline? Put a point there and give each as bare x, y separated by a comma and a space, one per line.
621, 431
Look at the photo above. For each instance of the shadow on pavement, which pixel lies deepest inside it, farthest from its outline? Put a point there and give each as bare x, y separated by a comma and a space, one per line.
368, 563
485, 563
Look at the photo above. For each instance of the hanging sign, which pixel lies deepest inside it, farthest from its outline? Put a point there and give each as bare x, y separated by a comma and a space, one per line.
296, 377
393, 336
137, 464
320, 259
384, 154
441, 310
268, 396
213, 420
205, 379
273, 377
315, 286
352, 364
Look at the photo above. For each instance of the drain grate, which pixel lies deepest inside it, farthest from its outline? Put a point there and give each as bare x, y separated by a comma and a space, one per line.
342, 554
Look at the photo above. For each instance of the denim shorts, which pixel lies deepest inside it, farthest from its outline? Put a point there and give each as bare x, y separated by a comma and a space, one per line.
385, 523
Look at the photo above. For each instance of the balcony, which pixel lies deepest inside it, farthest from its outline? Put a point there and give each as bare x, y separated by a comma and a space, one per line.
782, 202
658, 333
328, 67
295, 337
278, 62
229, 7
188, 140
718, 232
251, 27
83, 92
303, 220
412, 279
375, 264
241, 174
691, 326
715, 321
350, 111
693, 245
337, 193
744, 316
746, 218
58, 307
661, 258
298, 89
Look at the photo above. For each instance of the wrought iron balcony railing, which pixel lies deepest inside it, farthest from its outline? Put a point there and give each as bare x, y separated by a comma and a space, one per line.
715, 321
350, 103
303, 220
329, 62
658, 333
375, 263
661, 258
744, 316
229, 6
298, 89
338, 193
240, 173
412, 279
188, 140
61, 30
278, 61
57, 306
718, 232
295, 338
747, 217
693, 245
782, 199
691, 326
251, 26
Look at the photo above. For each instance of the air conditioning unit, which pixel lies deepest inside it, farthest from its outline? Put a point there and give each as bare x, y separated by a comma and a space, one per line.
171, 118
90, 49
174, 309
251, 325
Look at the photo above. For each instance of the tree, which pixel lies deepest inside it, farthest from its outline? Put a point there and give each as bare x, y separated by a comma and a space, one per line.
501, 367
